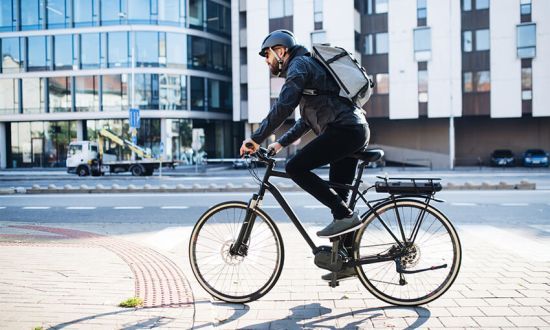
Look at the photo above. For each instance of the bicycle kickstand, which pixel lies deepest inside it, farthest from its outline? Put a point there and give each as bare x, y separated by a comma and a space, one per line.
334, 262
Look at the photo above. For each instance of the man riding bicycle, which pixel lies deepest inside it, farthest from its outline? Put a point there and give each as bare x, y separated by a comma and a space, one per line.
340, 126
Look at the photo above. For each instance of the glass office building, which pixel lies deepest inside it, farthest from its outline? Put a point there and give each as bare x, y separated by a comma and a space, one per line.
72, 67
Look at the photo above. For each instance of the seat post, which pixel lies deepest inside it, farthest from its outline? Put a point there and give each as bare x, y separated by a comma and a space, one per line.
357, 184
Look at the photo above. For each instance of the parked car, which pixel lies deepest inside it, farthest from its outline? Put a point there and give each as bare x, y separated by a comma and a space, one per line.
502, 157
535, 157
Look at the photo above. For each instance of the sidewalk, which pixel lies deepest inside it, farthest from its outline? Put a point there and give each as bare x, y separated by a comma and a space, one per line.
74, 277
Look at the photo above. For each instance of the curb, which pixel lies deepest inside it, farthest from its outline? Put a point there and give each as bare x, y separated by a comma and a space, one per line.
247, 187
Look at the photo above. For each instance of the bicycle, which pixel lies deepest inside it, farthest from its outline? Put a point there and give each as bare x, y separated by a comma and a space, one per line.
406, 253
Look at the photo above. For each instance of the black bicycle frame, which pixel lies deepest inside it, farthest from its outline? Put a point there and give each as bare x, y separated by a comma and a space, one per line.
240, 248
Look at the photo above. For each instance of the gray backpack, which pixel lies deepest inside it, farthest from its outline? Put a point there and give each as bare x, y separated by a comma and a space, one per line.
355, 84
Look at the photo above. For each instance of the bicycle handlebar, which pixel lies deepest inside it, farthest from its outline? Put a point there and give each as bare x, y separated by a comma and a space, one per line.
263, 154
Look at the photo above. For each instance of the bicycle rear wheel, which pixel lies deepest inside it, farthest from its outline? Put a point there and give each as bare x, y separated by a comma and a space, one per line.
436, 245
233, 278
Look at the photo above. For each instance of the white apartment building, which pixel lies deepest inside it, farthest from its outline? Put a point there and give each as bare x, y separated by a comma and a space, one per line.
455, 79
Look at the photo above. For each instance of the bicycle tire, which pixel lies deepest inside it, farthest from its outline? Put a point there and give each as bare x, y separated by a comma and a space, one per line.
381, 279
241, 278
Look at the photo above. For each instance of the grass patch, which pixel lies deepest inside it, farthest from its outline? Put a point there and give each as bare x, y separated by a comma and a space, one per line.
38, 328
131, 302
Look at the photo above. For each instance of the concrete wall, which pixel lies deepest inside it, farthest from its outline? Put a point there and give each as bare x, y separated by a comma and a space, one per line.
403, 70
505, 65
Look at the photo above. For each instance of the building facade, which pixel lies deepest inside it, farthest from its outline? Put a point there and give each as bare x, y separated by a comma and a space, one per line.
72, 67
455, 79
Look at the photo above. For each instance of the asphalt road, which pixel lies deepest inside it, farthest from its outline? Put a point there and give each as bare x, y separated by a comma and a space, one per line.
525, 209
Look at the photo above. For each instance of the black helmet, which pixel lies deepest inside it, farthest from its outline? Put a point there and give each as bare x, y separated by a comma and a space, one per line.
278, 38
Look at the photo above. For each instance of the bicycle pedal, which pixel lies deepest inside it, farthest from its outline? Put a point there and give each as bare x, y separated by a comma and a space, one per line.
333, 284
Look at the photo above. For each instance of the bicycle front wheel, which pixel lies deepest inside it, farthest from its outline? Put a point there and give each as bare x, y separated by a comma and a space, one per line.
429, 264
234, 278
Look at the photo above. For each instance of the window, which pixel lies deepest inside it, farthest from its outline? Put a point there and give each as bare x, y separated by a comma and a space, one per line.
196, 9
85, 13
482, 4
219, 96
117, 46
527, 40
57, 12
423, 86
111, 12
381, 43
115, 92
139, 11
467, 44
483, 40
197, 93
381, 6
146, 92
147, 49
37, 53
468, 85
169, 11
63, 48
172, 92
368, 47
86, 93
218, 18
318, 37
89, 50
421, 11
525, 7
7, 15
382, 83
31, 14
12, 61
176, 50
280, 8
60, 99
198, 55
526, 83
483, 81
9, 102
422, 44
318, 14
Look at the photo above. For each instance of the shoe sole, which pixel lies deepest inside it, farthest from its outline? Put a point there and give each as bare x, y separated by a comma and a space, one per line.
354, 228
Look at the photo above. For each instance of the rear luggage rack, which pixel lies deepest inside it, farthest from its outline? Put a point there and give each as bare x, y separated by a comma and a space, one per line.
414, 186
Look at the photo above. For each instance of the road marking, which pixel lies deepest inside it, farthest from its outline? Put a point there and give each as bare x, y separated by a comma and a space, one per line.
174, 207
514, 204
80, 208
128, 207
2, 207
314, 206
36, 207
464, 204
271, 207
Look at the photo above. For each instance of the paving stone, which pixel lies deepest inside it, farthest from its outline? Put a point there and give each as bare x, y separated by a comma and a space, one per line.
528, 321
492, 321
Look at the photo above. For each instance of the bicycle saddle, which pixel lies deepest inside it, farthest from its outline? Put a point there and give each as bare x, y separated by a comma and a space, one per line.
369, 155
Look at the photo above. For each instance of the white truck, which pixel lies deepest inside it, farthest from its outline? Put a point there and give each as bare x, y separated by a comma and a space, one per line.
88, 158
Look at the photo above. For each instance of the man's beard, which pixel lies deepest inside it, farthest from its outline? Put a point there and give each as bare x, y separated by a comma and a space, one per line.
274, 68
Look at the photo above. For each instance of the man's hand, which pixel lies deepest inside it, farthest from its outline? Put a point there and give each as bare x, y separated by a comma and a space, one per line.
248, 147
274, 148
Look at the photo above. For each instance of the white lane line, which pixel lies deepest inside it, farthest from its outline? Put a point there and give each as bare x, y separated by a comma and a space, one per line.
464, 204
314, 206
2, 207
514, 204
80, 208
36, 207
271, 207
174, 207
128, 207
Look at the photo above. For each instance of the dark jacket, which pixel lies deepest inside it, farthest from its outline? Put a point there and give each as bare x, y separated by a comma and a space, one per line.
304, 72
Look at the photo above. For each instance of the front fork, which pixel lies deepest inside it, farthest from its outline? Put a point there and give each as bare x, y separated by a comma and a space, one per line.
240, 246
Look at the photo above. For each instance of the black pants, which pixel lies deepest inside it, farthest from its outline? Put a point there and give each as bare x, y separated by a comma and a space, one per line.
332, 147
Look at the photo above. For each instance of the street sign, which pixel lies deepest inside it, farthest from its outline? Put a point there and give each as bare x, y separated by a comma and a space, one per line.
134, 117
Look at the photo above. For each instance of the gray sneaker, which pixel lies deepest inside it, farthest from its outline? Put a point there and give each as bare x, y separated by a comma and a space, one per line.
345, 273
341, 226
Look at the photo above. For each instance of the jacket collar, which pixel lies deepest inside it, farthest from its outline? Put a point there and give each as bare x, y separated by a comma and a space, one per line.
294, 52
